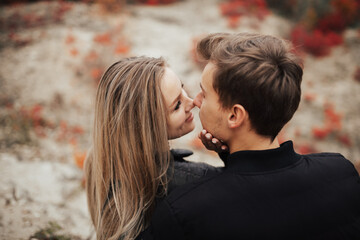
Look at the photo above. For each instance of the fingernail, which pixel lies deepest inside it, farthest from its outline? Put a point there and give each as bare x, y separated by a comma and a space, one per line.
208, 136
213, 141
203, 131
223, 147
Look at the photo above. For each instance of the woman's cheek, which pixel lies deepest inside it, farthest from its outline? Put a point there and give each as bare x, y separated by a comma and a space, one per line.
176, 120
183, 117
179, 120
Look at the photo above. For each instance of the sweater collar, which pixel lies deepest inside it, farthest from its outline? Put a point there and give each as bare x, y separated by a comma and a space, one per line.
263, 160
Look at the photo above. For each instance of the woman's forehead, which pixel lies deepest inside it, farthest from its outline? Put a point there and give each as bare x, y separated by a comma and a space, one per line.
170, 86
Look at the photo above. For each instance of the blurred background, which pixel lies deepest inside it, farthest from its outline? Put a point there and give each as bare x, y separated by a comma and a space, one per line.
53, 53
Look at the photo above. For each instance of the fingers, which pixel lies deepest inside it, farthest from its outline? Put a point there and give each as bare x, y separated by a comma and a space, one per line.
216, 142
206, 139
211, 143
224, 148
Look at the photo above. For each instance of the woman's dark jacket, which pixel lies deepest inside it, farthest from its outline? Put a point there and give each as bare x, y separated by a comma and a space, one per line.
181, 172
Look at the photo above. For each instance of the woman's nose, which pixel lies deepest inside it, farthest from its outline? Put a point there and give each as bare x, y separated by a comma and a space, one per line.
190, 103
198, 100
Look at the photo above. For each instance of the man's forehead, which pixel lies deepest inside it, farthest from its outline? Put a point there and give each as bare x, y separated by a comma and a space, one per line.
210, 66
207, 74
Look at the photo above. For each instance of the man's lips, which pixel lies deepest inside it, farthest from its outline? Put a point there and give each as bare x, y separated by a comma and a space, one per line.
190, 118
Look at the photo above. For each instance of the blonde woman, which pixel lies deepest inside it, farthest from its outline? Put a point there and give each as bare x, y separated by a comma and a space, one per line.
140, 105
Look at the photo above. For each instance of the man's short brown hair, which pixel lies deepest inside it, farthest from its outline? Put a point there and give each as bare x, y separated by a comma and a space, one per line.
260, 72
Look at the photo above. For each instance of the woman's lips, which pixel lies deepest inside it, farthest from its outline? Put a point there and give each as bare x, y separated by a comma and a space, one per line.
190, 118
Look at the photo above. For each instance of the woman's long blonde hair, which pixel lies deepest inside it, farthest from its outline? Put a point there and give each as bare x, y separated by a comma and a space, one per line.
127, 165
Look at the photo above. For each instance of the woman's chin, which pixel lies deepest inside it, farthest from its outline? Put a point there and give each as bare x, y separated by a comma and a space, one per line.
190, 126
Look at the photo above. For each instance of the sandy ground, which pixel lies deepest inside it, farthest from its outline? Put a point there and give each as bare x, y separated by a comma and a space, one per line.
57, 70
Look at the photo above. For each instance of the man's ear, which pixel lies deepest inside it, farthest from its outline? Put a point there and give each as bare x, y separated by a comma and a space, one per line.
237, 116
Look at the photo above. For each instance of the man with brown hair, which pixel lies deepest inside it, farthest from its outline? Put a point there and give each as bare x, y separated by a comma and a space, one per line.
250, 89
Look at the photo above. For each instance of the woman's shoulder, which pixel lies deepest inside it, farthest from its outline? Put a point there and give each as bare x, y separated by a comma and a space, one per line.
195, 168
178, 154
183, 171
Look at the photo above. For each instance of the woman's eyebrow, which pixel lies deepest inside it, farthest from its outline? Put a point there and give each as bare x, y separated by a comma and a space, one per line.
202, 89
175, 100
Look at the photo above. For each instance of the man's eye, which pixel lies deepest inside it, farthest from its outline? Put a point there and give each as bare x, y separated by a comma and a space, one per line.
178, 105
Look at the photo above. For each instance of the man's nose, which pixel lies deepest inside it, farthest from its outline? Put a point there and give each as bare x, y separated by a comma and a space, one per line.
190, 104
198, 100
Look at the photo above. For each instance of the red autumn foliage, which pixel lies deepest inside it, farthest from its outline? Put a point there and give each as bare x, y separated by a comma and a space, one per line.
74, 52
32, 117
40, 132
155, 2
104, 39
357, 74
32, 19
243, 7
35, 114
96, 73
55, 14
19, 41
332, 123
9, 105
62, 132
109, 6
77, 130
305, 149
20, 19
79, 158
73, 141
70, 39
91, 56
235, 9
326, 32
332, 22
332, 118
38, 121
68, 133
315, 42
233, 21
63, 7
345, 139
122, 47
320, 133
348, 9
309, 97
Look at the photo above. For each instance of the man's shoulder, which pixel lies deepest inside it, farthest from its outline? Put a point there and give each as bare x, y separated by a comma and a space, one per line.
329, 158
323, 155
325, 162
334, 164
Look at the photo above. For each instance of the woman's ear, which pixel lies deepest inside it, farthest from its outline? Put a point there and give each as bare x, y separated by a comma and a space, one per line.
237, 116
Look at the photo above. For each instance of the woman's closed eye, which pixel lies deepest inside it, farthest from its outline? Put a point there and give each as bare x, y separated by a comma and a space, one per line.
177, 105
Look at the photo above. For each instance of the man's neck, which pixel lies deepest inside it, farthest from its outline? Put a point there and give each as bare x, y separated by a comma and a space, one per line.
252, 141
